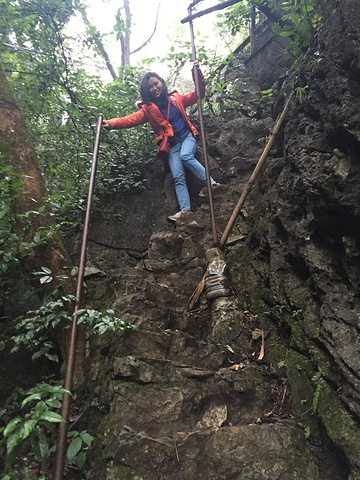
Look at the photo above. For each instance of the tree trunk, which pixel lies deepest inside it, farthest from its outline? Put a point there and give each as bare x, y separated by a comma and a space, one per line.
16, 150
125, 35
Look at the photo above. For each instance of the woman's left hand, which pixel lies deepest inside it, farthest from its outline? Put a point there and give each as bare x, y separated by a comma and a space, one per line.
196, 63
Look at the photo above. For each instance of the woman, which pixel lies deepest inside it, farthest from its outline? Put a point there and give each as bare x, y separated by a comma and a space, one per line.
182, 134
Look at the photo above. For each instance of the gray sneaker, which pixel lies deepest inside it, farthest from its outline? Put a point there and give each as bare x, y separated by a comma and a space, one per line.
204, 192
216, 286
176, 216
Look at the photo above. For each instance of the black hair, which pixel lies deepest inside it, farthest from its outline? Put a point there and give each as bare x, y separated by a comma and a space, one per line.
144, 89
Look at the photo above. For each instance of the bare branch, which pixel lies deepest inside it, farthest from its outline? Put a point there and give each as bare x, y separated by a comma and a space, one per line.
148, 40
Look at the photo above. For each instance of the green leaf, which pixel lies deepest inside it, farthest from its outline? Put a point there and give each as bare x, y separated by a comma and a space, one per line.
11, 426
51, 417
39, 444
86, 437
9, 476
74, 449
28, 427
53, 402
11, 456
80, 460
286, 34
14, 439
46, 279
35, 396
40, 409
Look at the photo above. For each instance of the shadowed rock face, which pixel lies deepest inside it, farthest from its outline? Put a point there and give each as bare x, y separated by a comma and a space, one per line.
186, 397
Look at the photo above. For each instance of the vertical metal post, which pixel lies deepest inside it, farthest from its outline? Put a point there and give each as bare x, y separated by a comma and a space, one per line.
70, 362
202, 133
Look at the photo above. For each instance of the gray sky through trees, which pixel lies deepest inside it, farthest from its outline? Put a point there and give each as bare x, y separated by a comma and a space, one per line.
169, 28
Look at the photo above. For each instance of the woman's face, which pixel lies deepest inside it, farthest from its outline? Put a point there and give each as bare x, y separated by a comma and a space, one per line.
155, 87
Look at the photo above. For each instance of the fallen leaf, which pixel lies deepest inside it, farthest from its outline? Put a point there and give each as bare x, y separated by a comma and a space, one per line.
257, 333
262, 350
230, 349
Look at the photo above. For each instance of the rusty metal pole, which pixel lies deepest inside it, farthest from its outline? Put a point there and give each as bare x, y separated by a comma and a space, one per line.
219, 6
202, 133
70, 362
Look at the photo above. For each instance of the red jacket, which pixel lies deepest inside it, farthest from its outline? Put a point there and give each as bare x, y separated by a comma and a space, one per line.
149, 112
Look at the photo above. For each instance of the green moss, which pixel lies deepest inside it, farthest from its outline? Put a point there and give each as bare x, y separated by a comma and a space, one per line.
97, 359
108, 425
254, 380
259, 298
117, 472
134, 386
298, 337
299, 372
355, 475
339, 425
312, 329
299, 296
6, 92
225, 331
322, 361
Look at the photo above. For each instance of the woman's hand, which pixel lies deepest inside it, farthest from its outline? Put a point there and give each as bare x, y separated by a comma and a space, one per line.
105, 124
197, 63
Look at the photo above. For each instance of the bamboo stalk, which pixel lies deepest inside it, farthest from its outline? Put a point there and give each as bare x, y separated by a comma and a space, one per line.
254, 175
197, 292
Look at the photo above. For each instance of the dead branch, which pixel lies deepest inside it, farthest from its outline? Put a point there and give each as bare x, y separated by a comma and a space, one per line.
148, 40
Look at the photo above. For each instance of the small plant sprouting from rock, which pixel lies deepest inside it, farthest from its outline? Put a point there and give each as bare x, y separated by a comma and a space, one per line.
266, 94
296, 313
76, 452
299, 91
32, 430
317, 379
34, 327
34, 423
306, 428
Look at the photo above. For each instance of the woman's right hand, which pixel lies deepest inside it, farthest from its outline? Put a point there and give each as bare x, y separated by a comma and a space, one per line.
105, 124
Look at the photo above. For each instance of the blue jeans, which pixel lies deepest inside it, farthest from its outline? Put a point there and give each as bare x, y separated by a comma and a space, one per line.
182, 155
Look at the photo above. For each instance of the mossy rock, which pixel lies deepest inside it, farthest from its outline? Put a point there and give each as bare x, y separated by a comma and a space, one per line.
117, 472
299, 372
339, 425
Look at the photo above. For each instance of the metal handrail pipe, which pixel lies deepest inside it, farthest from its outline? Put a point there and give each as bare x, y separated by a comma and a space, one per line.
202, 134
219, 6
70, 361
